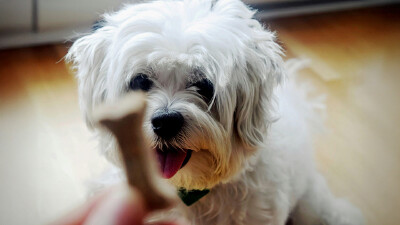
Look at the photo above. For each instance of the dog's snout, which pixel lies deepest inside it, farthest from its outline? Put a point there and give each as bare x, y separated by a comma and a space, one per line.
167, 124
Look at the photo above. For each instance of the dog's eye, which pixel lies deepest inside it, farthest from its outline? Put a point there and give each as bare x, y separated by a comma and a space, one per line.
205, 89
141, 82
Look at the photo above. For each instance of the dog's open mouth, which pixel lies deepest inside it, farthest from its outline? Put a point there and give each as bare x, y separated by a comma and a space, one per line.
172, 160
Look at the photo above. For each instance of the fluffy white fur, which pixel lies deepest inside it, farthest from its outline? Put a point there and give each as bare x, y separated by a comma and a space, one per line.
252, 144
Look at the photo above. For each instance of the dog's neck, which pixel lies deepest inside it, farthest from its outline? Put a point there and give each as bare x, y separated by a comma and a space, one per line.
190, 197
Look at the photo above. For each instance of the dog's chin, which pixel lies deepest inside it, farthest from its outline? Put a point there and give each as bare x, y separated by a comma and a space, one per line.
199, 172
171, 160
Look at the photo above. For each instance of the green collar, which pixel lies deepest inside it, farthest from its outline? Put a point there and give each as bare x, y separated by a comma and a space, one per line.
191, 196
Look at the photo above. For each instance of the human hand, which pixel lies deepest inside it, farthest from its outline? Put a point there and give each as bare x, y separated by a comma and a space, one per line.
119, 205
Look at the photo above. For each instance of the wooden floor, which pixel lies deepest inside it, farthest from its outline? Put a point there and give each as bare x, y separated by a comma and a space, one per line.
355, 59
46, 151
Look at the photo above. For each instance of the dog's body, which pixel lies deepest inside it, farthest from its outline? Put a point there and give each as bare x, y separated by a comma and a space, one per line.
215, 118
279, 181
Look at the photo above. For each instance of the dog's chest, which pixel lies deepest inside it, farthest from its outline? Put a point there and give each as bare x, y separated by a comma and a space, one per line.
232, 204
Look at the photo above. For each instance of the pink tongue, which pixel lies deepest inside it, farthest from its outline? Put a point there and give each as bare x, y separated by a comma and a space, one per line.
170, 161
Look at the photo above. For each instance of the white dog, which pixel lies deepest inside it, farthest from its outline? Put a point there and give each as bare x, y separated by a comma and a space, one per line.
236, 146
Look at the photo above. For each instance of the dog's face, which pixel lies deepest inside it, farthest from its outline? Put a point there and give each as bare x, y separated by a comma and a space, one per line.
208, 69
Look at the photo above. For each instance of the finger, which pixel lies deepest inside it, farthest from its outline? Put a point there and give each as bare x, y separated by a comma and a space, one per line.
131, 211
123, 206
79, 215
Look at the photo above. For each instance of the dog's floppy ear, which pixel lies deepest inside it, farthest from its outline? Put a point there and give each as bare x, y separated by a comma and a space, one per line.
87, 55
264, 71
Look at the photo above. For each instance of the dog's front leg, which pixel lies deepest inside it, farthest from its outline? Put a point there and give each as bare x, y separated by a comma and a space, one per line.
282, 210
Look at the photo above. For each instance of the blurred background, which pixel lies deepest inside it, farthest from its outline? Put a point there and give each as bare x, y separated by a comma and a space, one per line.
48, 156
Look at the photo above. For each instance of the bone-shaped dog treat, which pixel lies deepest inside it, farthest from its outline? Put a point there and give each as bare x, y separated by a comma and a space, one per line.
124, 119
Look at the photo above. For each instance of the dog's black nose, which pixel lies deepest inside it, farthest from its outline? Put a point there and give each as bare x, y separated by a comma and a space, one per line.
167, 124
